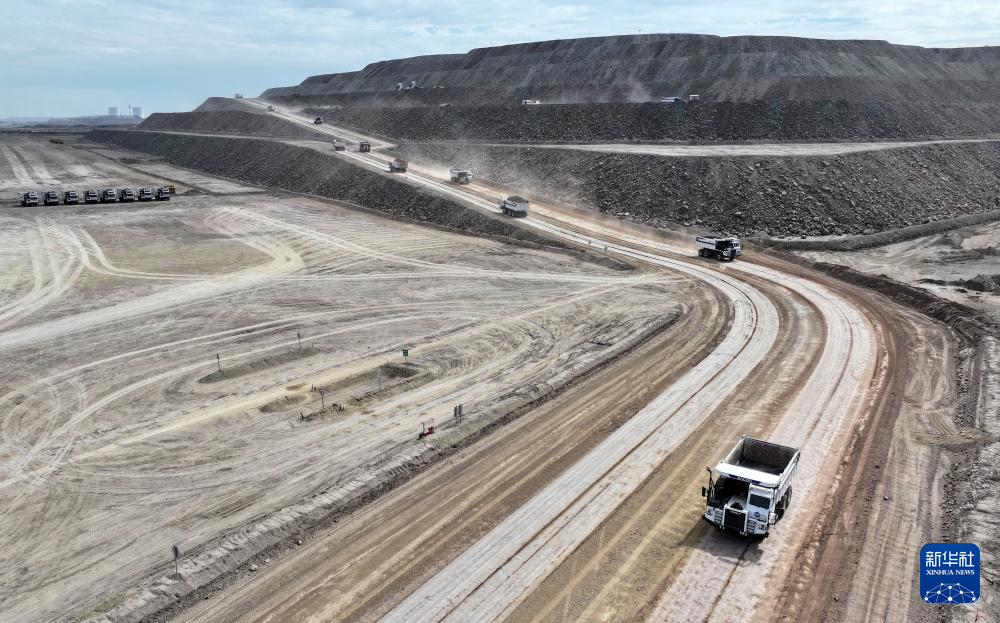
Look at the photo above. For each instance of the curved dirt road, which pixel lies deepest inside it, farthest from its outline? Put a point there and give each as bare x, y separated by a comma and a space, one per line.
832, 364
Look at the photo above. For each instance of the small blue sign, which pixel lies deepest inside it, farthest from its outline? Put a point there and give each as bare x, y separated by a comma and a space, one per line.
949, 573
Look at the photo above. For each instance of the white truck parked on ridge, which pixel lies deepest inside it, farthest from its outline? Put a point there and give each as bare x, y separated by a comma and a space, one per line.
753, 488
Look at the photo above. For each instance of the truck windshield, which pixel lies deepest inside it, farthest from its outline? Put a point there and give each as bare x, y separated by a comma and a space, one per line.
759, 501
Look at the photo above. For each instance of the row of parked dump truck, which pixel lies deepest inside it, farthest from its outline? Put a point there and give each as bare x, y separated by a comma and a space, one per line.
108, 195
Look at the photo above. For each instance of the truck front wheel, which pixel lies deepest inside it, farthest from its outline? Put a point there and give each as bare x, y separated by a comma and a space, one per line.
783, 504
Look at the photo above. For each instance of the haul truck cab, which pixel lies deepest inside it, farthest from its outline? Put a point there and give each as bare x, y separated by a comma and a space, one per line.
750, 489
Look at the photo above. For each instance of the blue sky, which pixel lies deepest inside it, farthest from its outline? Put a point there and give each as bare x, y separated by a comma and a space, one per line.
73, 57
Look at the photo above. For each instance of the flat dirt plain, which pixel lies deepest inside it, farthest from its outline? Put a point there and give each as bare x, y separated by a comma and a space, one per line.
161, 362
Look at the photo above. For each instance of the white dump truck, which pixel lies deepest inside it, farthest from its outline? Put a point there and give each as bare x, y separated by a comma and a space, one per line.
750, 489
531, 102
719, 248
460, 176
339, 146
397, 165
514, 206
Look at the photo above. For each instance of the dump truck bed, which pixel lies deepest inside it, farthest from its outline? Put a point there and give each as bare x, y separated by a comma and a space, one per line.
759, 461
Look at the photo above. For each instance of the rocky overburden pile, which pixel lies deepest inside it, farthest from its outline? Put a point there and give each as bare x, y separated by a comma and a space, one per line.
229, 122
654, 122
279, 165
647, 67
981, 283
858, 193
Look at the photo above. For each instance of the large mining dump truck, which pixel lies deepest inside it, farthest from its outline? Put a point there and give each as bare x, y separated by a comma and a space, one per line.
514, 206
751, 489
719, 248
460, 176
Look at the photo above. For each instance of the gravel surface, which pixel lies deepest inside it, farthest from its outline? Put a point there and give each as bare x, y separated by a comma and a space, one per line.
652, 122
859, 193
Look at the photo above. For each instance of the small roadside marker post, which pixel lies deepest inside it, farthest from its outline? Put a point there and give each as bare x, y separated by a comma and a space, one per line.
322, 398
177, 557
218, 360
299, 335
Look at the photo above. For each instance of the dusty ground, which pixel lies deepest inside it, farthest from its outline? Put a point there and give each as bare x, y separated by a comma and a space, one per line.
118, 442
865, 388
942, 263
585, 508
952, 265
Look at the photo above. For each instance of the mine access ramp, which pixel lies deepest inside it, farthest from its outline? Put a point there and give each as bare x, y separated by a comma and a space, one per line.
719, 248
751, 488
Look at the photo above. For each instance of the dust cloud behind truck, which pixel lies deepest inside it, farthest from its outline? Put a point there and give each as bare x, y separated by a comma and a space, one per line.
751, 489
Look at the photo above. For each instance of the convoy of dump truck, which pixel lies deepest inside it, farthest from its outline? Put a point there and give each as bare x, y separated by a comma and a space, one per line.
31, 198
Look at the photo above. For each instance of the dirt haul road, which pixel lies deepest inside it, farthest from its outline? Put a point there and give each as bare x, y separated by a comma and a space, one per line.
618, 528
120, 436
754, 149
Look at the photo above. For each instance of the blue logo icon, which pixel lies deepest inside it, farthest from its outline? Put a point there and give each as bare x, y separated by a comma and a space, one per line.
949, 573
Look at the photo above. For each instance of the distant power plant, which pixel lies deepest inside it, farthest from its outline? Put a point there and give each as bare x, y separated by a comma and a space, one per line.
133, 111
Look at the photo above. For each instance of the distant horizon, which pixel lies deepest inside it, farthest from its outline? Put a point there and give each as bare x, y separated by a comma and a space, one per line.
175, 55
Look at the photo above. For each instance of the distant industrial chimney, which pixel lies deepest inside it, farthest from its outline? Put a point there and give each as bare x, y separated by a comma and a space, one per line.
112, 111
136, 111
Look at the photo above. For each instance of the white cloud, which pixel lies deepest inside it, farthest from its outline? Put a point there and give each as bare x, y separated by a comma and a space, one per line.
194, 49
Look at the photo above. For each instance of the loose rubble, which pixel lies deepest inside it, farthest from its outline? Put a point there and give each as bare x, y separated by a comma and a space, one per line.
654, 122
860, 193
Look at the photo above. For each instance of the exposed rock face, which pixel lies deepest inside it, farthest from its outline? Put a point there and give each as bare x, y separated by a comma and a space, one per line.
652, 123
279, 165
859, 193
645, 67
